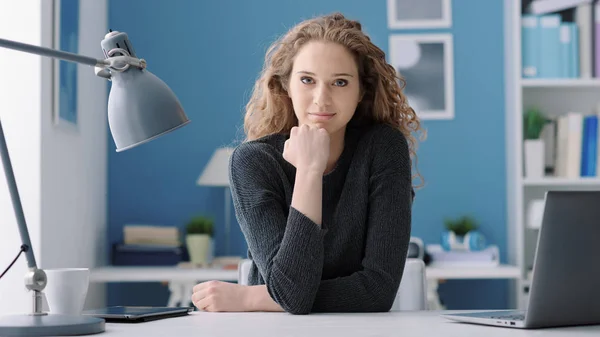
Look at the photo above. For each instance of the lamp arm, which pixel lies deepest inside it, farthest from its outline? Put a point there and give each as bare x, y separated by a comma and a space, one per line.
35, 279
118, 63
16, 201
31, 49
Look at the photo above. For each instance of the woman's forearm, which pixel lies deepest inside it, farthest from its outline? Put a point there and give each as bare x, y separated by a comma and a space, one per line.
308, 194
260, 300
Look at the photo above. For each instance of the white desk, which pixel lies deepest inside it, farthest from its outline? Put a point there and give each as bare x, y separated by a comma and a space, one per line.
159, 274
169, 274
405, 324
181, 280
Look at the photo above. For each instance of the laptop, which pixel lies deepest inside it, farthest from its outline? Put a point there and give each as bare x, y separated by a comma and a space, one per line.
565, 286
133, 314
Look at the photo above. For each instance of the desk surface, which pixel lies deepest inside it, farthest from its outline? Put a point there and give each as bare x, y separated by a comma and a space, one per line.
157, 274
406, 324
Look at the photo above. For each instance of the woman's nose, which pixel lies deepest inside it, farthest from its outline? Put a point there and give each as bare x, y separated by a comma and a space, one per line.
322, 96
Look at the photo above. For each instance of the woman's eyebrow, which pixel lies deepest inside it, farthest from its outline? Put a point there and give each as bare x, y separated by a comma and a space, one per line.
313, 74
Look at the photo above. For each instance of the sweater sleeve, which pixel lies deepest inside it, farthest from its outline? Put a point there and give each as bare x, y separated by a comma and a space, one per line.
374, 288
286, 248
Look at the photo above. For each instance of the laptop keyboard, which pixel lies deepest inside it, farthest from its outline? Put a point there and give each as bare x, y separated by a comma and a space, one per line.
516, 317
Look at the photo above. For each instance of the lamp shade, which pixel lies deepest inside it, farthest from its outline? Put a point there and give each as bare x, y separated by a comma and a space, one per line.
216, 172
141, 107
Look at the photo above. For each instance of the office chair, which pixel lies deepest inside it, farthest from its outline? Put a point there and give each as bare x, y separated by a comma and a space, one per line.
411, 294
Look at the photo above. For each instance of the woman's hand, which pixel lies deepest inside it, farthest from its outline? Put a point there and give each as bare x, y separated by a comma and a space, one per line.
220, 296
307, 148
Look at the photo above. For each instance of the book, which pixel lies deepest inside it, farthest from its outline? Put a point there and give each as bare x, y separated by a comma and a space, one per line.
151, 235
589, 144
583, 18
597, 39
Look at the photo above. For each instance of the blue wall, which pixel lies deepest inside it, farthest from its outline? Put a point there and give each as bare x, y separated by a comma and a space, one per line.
210, 53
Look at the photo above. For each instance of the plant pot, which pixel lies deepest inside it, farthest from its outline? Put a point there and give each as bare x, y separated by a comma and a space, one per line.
199, 246
534, 158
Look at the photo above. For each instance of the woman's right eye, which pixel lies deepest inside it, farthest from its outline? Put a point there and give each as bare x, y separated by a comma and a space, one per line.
306, 80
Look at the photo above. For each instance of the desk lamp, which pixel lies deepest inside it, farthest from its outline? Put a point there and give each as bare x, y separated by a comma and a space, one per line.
216, 173
141, 107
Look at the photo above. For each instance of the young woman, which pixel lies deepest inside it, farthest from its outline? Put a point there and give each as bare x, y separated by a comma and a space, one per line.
322, 186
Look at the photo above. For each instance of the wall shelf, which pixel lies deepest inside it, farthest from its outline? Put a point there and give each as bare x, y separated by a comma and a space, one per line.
560, 82
556, 181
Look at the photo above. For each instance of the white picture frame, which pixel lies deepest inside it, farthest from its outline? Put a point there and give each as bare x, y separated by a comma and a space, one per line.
426, 63
66, 31
412, 14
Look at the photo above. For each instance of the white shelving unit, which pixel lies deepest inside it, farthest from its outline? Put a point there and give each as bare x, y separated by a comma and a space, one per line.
554, 97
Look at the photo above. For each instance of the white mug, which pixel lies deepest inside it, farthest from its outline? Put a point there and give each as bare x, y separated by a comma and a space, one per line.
66, 290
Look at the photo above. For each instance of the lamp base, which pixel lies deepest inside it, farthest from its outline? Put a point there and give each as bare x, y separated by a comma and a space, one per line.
50, 325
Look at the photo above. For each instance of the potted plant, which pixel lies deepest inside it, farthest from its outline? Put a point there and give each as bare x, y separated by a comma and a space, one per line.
462, 234
461, 226
533, 146
199, 233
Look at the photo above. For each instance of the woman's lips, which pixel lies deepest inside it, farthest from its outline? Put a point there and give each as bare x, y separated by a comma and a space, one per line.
321, 116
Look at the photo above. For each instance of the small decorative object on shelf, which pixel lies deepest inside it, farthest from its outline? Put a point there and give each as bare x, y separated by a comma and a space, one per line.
462, 234
533, 123
199, 239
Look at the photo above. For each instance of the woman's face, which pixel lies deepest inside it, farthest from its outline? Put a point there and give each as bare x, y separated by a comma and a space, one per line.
324, 86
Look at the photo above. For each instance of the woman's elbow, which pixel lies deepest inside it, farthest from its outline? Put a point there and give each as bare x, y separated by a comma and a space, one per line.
292, 301
295, 306
383, 303
297, 310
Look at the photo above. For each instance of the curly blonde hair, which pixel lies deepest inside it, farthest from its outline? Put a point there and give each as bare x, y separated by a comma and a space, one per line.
270, 109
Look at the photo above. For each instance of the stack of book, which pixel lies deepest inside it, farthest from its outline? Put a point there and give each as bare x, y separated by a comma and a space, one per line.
561, 39
571, 143
151, 235
148, 245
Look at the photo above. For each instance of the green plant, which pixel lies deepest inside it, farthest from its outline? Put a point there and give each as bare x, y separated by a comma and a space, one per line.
462, 225
533, 123
200, 225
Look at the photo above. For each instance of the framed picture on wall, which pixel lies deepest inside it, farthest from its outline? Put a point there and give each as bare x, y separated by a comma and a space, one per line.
426, 63
405, 14
65, 38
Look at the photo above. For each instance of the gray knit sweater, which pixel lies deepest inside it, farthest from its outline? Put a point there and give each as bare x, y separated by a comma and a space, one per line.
355, 260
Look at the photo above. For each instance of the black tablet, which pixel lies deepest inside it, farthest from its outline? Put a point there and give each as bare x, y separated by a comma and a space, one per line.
134, 314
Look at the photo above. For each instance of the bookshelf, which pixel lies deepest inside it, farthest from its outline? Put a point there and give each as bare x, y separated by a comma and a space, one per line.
554, 97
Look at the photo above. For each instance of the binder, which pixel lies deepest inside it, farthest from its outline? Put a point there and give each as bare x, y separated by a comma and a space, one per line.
565, 51
550, 46
574, 47
530, 47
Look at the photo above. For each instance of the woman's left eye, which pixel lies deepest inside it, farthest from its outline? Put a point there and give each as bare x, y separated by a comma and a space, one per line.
341, 83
